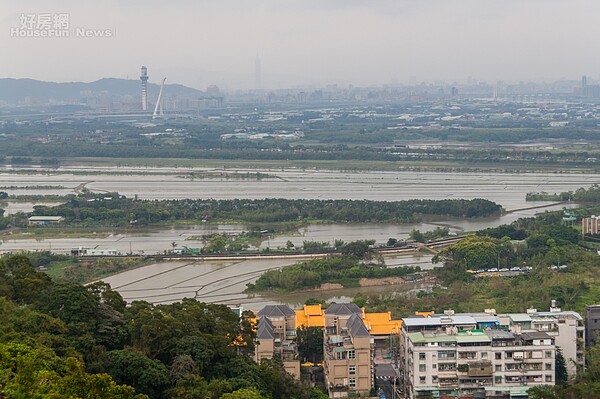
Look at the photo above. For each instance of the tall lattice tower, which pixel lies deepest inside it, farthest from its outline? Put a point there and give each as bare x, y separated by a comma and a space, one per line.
144, 79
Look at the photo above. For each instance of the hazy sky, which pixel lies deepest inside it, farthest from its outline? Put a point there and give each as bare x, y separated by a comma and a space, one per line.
308, 42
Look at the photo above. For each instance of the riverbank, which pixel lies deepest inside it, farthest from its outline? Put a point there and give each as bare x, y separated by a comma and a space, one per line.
336, 165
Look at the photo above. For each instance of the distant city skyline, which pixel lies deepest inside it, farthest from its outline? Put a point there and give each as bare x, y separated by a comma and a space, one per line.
310, 43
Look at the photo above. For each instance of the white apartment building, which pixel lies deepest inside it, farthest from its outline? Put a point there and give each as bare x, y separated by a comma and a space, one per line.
565, 327
476, 364
545, 331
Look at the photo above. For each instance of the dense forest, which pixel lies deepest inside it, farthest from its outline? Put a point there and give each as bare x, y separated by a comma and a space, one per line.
581, 195
63, 340
119, 211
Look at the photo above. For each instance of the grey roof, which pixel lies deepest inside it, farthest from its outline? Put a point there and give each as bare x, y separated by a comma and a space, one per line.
265, 329
485, 318
461, 319
535, 335
439, 320
357, 327
500, 334
519, 317
421, 321
559, 315
276, 311
340, 309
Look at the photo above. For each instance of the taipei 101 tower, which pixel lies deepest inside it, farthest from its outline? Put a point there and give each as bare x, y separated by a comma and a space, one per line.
144, 79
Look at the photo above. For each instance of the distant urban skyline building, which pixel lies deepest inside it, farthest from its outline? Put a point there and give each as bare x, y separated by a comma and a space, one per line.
257, 73
144, 79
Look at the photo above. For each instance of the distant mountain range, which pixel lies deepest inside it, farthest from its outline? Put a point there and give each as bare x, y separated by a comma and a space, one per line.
15, 91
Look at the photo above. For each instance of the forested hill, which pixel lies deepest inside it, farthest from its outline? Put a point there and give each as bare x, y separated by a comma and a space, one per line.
63, 340
19, 90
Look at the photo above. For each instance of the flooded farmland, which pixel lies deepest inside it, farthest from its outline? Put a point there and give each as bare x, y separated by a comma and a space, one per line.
224, 281
507, 189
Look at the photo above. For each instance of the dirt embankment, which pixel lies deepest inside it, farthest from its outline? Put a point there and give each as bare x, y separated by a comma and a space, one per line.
330, 286
372, 282
363, 282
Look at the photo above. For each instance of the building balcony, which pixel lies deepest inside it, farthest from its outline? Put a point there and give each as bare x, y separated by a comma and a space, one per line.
448, 385
338, 388
471, 385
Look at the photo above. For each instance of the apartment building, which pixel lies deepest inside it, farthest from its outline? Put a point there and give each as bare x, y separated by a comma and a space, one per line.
565, 327
276, 330
592, 324
554, 328
385, 332
457, 363
351, 337
348, 353
338, 314
589, 226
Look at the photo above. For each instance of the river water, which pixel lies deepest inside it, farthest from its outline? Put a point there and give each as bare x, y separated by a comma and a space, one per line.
223, 282
157, 241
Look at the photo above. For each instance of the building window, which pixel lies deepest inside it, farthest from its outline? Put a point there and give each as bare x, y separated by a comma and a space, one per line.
467, 355
498, 367
351, 369
548, 366
351, 354
484, 355
352, 382
548, 378
421, 355
548, 354
498, 355
447, 366
498, 379
422, 368
421, 380
434, 379
434, 366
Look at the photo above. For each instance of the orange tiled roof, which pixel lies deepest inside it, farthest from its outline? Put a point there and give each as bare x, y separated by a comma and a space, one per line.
381, 323
310, 316
424, 314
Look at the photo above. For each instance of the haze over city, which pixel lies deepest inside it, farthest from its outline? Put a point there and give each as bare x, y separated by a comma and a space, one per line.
310, 43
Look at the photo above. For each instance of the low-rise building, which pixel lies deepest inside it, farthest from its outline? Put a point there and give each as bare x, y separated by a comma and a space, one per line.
44, 220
